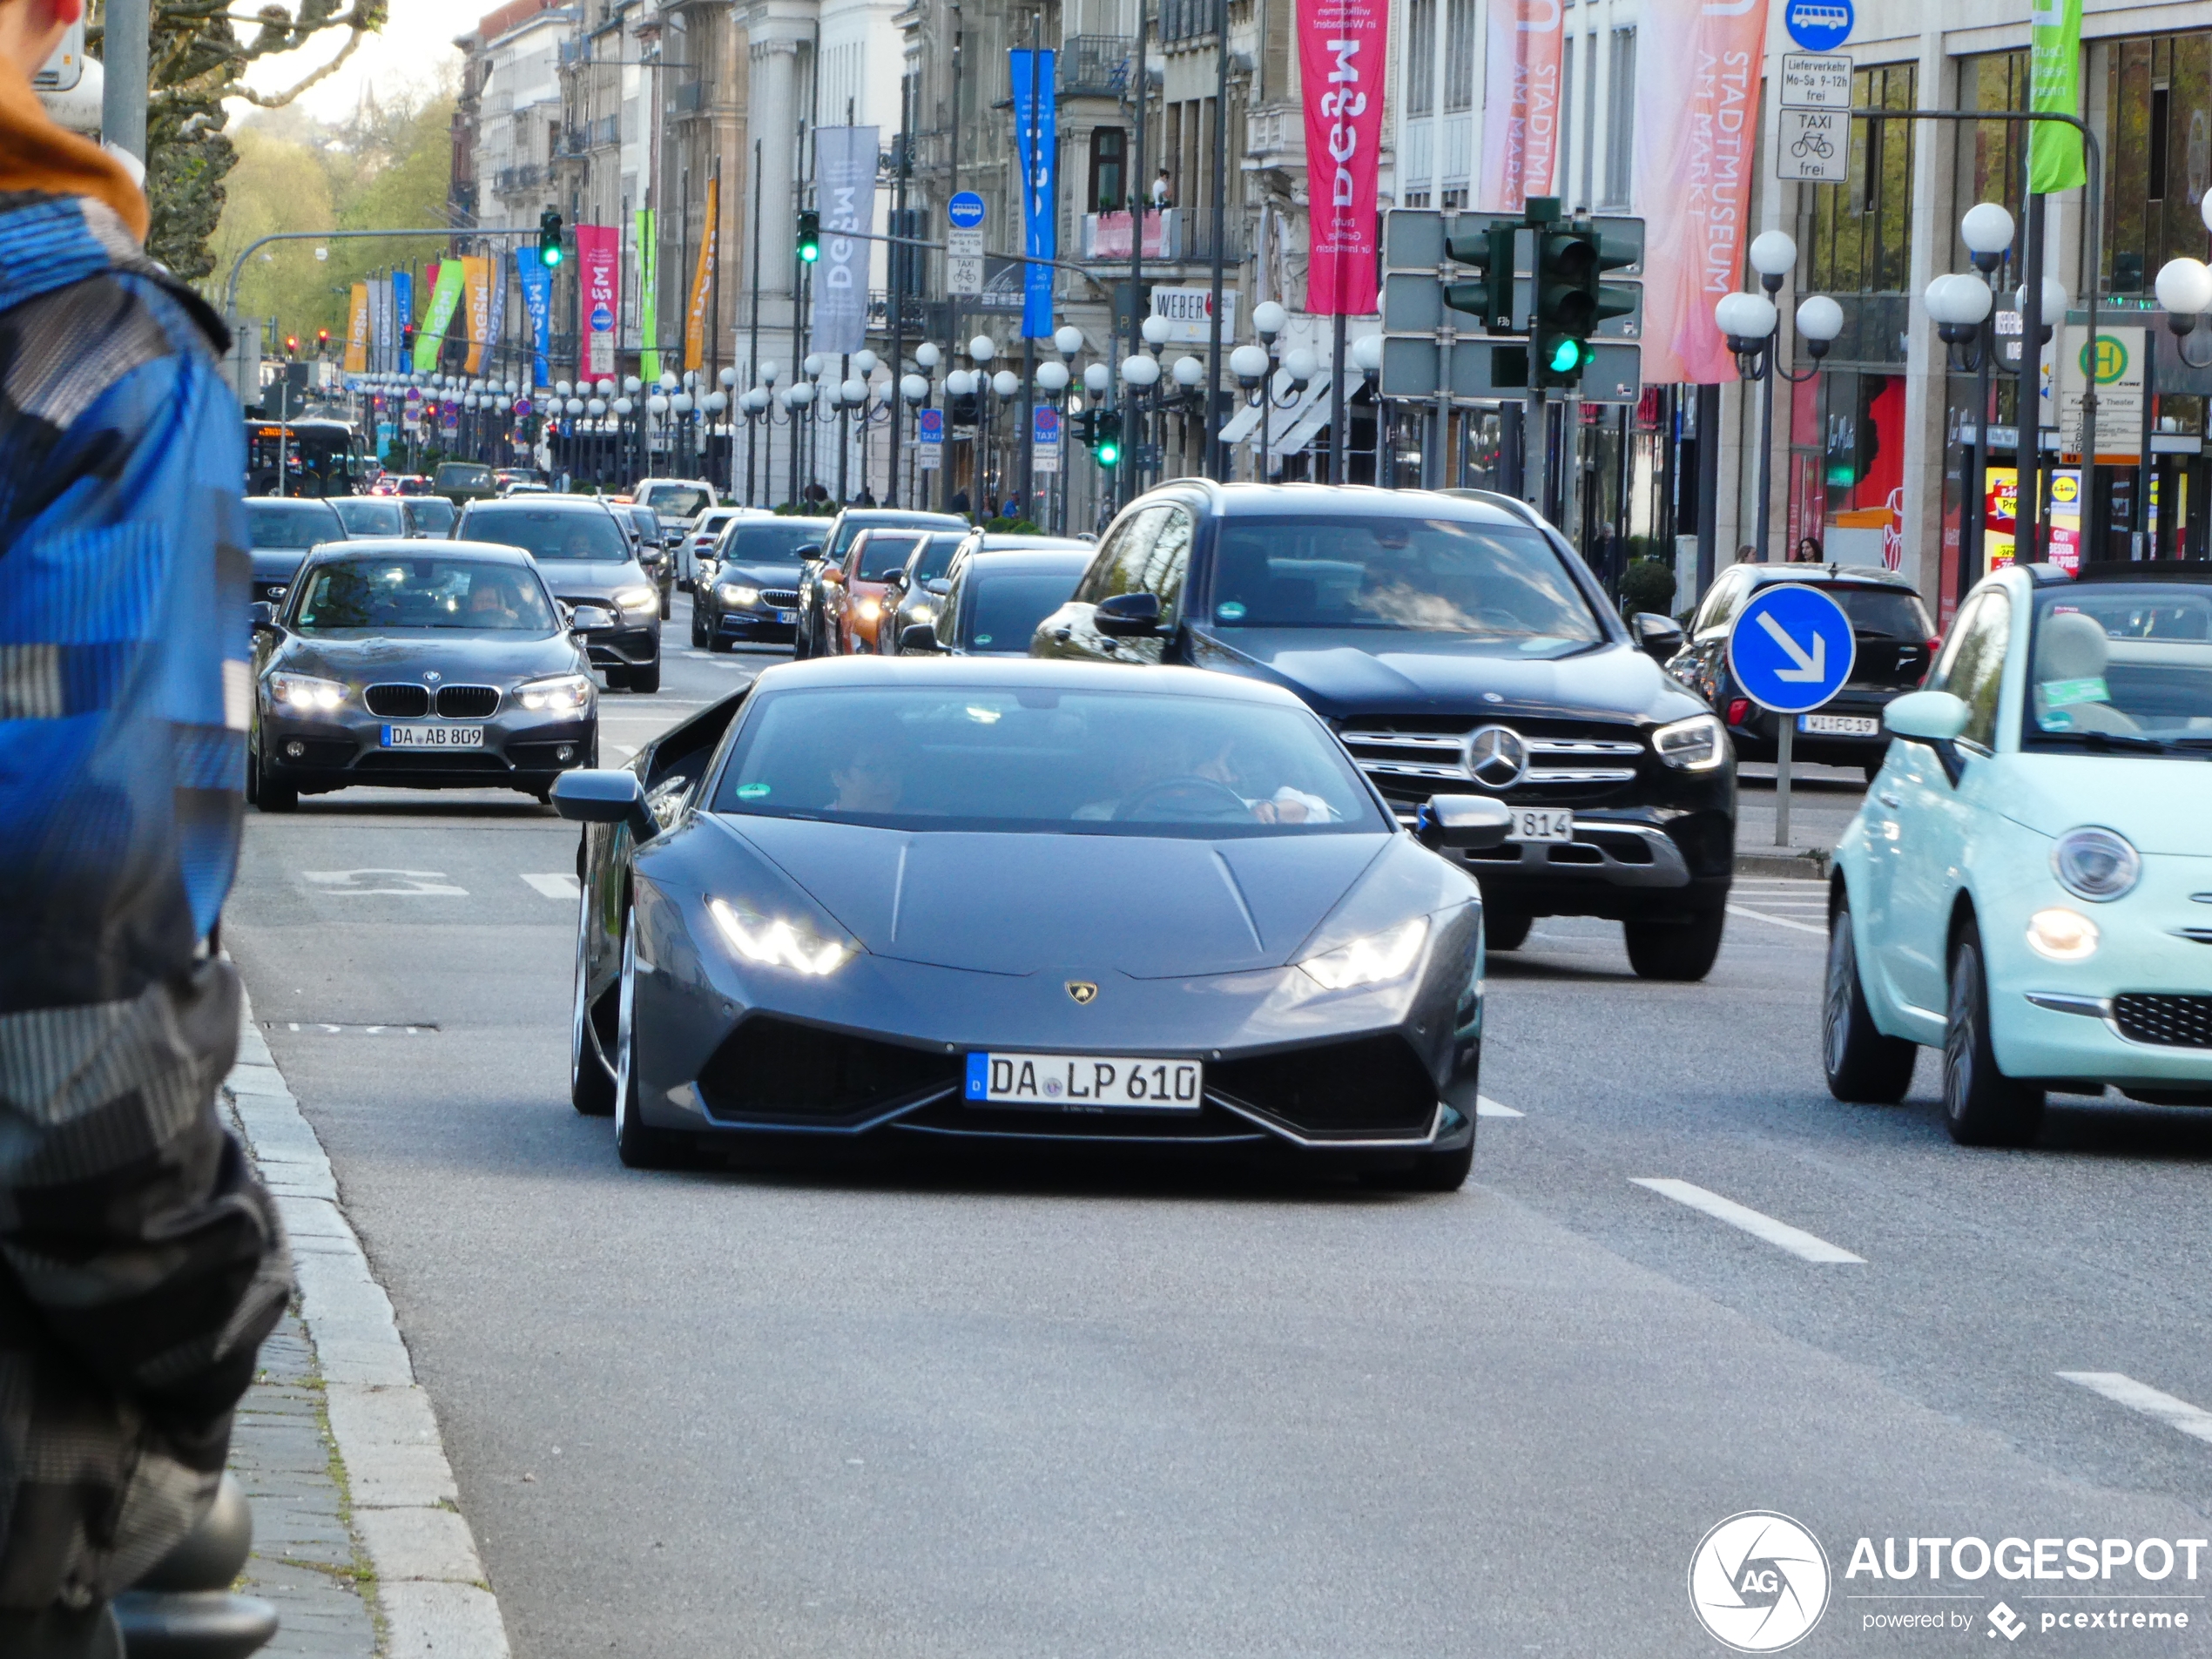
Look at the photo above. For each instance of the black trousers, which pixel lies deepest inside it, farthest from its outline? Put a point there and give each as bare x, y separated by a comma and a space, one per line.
58, 1633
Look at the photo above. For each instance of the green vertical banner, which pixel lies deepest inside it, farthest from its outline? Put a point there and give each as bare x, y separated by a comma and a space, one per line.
2054, 85
437, 316
649, 297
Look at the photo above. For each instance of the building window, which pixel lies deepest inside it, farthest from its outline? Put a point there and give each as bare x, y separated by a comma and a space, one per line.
1621, 120
1451, 200
1459, 55
1420, 57
2158, 155
1859, 237
1109, 169
1417, 198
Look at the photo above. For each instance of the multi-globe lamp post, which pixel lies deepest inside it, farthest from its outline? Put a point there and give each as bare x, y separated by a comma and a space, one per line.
1963, 309
2184, 290
1749, 322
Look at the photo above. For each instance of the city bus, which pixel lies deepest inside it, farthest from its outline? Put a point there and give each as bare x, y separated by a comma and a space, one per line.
304, 457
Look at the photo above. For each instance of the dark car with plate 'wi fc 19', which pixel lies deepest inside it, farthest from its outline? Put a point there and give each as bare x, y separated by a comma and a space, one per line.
1454, 642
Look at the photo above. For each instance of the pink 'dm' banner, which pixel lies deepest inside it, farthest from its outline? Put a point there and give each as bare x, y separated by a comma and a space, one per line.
1341, 71
598, 269
1697, 109
1521, 103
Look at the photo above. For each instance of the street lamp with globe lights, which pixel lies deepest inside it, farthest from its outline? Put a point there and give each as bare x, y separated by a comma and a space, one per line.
1140, 374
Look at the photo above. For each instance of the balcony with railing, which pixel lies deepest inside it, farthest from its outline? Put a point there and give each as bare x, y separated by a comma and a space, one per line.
1095, 65
510, 181
692, 97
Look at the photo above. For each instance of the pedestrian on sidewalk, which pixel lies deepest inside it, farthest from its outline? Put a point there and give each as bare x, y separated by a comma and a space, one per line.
141, 1262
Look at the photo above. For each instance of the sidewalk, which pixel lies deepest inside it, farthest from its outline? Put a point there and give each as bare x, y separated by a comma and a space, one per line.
1823, 802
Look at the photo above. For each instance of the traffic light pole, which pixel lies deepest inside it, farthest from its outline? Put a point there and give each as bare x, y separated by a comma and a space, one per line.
444, 234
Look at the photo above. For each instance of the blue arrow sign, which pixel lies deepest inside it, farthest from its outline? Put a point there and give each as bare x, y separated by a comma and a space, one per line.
1791, 648
965, 210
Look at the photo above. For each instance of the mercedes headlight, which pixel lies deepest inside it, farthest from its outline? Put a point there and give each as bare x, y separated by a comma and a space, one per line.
2098, 865
1695, 744
2062, 934
1374, 959
306, 693
737, 595
774, 942
637, 599
567, 693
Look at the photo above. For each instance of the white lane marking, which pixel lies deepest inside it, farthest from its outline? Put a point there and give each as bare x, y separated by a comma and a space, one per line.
2124, 1390
1486, 1107
1779, 1233
1778, 921
418, 882
560, 885
624, 750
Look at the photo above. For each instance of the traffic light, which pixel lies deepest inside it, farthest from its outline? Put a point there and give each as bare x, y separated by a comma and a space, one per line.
1571, 300
407, 341
1489, 296
1107, 451
292, 345
322, 342
810, 235
549, 239
1087, 427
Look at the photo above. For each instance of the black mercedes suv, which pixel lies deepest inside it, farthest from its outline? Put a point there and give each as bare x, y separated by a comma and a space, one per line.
1455, 643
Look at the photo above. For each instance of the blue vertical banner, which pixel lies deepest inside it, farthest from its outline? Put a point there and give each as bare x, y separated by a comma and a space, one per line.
537, 304
1036, 136
402, 317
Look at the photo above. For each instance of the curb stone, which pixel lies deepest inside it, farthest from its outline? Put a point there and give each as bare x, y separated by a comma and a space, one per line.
431, 1585
1811, 865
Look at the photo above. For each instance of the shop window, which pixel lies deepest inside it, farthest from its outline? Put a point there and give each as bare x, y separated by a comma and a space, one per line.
2159, 151
1859, 238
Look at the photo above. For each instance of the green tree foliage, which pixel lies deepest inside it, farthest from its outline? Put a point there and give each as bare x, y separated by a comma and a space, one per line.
196, 61
386, 166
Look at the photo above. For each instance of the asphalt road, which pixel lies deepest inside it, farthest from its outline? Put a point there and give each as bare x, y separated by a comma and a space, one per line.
1019, 1409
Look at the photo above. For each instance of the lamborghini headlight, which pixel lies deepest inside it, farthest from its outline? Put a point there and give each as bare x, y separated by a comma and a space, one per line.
637, 599
305, 693
1695, 744
775, 942
1376, 959
566, 692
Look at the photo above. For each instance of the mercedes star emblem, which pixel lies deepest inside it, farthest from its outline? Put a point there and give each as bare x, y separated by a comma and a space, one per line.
1082, 990
1496, 757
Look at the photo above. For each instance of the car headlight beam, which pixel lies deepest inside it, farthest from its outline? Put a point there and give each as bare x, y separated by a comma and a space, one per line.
638, 598
1698, 744
1373, 959
775, 942
305, 693
737, 595
2099, 864
567, 693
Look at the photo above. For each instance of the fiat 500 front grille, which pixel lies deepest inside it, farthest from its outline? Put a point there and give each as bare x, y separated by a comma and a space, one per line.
2169, 1021
398, 702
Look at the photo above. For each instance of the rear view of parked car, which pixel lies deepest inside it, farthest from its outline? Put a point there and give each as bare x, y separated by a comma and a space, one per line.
587, 561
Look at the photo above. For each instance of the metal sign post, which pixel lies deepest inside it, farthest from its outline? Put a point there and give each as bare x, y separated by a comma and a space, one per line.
1790, 651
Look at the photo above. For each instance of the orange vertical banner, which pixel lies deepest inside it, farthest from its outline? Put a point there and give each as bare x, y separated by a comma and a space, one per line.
357, 332
696, 321
476, 277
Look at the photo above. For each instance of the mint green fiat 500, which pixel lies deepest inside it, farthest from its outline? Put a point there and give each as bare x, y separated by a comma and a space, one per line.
2029, 884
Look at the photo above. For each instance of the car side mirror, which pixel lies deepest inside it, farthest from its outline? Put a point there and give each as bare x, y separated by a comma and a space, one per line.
1468, 823
896, 582
1660, 637
920, 637
809, 550
1927, 717
938, 585
590, 618
263, 617
605, 797
1128, 616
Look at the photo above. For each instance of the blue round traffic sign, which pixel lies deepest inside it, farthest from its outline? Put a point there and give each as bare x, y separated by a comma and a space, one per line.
965, 210
601, 319
1791, 648
1819, 25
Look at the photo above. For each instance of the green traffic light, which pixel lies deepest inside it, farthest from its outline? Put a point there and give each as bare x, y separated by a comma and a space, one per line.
1567, 356
1108, 454
549, 254
810, 236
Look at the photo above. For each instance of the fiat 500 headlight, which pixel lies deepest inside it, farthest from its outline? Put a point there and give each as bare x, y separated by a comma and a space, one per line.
2098, 865
737, 595
1695, 744
637, 599
1375, 958
774, 942
305, 693
565, 691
